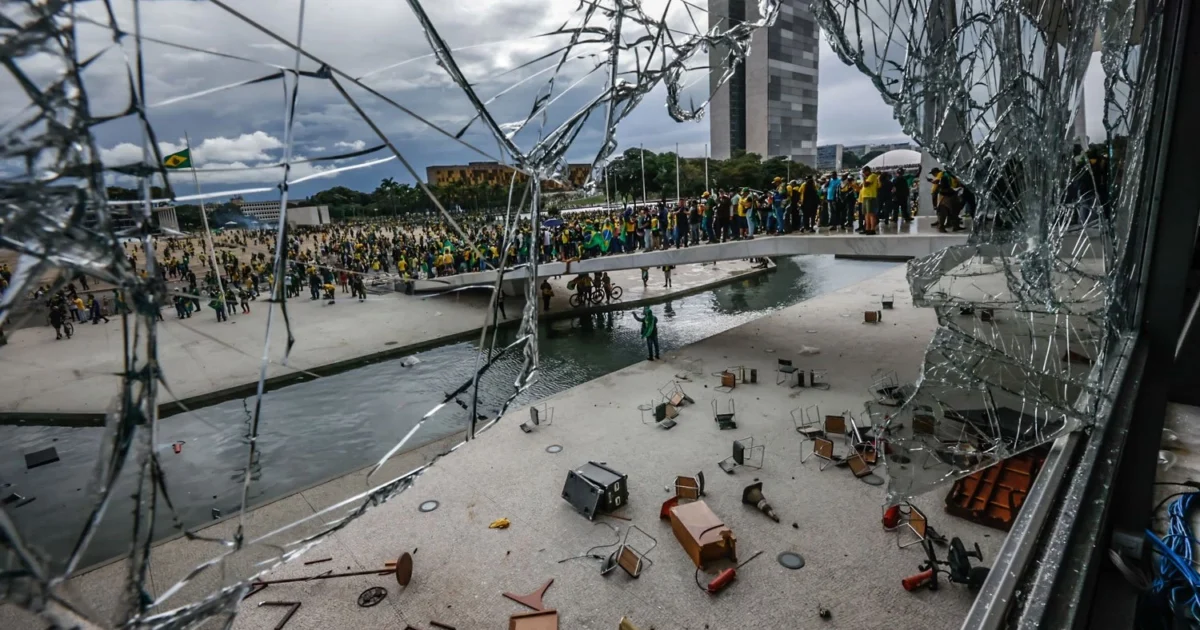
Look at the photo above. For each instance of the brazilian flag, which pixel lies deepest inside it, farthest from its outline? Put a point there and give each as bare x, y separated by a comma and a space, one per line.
183, 159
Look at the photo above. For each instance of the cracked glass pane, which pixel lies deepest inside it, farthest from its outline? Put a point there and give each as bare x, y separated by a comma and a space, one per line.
82, 71
1033, 310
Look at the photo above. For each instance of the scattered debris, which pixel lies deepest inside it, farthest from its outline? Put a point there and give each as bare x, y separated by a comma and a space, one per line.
540, 620
959, 561
41, 458
702, 533
795, 526
292, 608
626, 624
824, 613
178, 447
594, 488
808, 351
371, 596
216, 513
534, 599
872, 317
726, 577
752, 495
443, 626
15, 500
409, 361
402, 568
310, 562
500, 523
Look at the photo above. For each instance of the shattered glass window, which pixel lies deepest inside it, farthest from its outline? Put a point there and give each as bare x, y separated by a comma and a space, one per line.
87, 108
1032, 312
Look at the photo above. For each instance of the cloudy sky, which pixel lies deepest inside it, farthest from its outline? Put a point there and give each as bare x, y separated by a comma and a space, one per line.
200, 82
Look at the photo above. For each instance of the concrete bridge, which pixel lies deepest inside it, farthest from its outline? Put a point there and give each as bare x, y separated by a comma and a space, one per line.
918, 239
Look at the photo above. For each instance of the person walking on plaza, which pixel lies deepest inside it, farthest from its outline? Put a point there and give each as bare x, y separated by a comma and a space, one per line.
649, 332
869, 198
94, 309
547, 293
667, 275
500, 303
810, 199
217, 303
645, 277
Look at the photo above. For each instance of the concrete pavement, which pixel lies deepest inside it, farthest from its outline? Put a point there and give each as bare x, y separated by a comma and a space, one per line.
853, 567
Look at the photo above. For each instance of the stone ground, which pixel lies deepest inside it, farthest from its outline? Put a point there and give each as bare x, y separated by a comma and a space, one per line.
201, 356
853, 567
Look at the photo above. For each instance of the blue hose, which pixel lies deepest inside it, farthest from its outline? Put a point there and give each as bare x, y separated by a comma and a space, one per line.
1177, 576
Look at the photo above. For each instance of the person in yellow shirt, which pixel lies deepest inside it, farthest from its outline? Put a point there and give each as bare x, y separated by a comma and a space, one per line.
868, 196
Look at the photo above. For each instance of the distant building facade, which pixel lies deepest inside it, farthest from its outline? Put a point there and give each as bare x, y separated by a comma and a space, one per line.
769, 106
496, 174
268, 212
829, 157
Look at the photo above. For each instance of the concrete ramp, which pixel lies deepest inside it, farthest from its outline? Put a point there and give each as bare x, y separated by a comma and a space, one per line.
899, 243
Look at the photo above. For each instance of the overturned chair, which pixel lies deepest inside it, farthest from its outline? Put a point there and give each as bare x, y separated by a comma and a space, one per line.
726, 419
628, 558
743, 455
822, 449
539, 415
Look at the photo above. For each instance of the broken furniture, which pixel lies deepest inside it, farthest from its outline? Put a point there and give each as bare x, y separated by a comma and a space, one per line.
960, 571
822, 448
534, 599
691, 488
629, 558
888, 300
858, 465
786, 369
817, 379
41, 458
727, 418
835, 426
994, 495
539, 415
728, 382
911, 519
538, 620
402, 569
923, 420
886, 389
664, 415
291, 606
742, 374
872, 317
672, 393
808, 422
743, 455
702, 534
752, 495
594, 488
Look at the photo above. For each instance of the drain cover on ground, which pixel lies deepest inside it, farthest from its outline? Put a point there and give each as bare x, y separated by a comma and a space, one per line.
873, 480
429, 506
791, 560
372, 596
554, 448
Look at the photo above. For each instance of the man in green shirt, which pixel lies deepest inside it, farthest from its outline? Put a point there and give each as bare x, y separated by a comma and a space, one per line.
649, 332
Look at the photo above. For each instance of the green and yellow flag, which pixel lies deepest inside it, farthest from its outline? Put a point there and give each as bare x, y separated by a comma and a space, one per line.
183, 159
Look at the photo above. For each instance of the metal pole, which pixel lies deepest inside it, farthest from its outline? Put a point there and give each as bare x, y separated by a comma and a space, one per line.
607, 203
212, 253
678, 197
706, 187
644, 200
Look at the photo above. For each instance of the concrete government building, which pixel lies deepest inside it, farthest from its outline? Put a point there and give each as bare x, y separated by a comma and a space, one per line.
769, 106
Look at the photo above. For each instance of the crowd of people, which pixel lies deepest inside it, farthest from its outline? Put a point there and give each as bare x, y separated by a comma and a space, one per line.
334, 258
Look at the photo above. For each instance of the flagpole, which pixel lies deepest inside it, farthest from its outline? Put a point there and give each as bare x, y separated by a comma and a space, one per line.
678, 197
212, 252
706, 187
607, 203
644, 199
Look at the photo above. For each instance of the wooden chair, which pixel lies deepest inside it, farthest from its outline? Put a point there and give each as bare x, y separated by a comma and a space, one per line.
835, 426
914, 520
822, 448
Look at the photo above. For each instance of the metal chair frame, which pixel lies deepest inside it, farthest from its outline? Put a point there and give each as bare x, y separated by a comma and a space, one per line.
744, 449
787, 369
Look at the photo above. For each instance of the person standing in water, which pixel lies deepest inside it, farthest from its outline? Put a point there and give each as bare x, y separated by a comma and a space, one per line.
649, 332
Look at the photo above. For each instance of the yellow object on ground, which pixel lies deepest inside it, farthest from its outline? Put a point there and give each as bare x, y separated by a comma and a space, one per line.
500, 523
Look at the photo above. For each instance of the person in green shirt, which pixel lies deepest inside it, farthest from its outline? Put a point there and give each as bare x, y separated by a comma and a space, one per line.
649, 332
